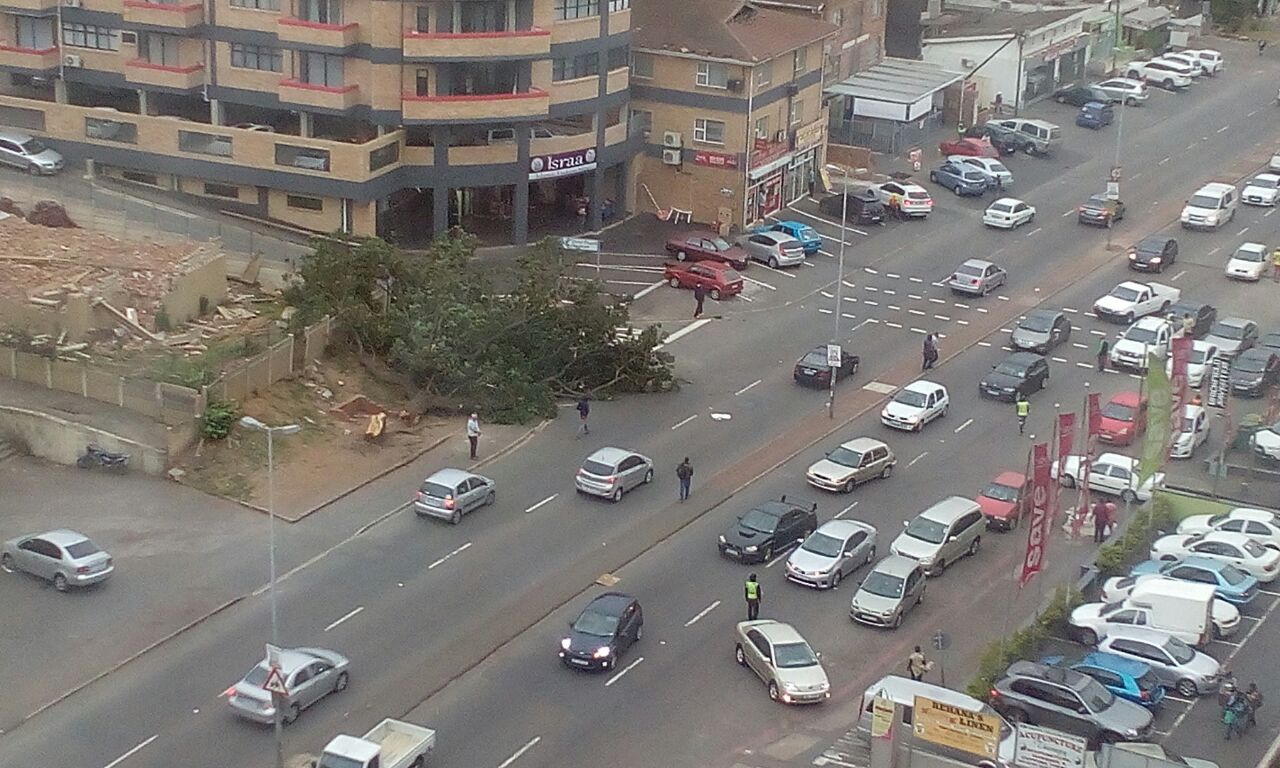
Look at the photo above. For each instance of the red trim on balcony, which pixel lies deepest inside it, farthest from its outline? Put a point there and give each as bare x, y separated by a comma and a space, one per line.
28, 51
289, 83
163, 6
534, 93
292, 22
413, 34
144, 64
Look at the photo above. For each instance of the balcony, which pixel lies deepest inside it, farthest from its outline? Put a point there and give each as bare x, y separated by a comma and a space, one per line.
303, 32
142, 72
447, 46
336, 97
472, 107
178, 17
38, 7
29, 59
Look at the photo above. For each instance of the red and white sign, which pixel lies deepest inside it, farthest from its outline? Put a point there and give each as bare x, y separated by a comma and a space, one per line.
1066, 439
1041, 520
715, 159
1092, 417
275, 682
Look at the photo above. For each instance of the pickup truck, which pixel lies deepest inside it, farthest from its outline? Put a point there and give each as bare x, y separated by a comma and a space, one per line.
391, 744
1131, 300
1148, 335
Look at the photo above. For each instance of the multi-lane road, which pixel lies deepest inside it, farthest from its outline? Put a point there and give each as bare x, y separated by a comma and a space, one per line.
457, 627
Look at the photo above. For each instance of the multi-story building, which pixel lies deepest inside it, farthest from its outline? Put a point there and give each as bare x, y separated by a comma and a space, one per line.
728, 98
394, 117
858, 44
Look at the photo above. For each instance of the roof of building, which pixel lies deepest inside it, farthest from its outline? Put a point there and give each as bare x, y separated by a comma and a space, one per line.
723, 29
812, 6
1152, 16
972, 23
898, 81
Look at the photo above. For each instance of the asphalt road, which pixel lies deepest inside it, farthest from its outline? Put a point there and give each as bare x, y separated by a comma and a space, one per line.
419, 606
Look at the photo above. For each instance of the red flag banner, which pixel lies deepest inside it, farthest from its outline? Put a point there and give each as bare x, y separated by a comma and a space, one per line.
1041, 521
1066, 436
1093, 417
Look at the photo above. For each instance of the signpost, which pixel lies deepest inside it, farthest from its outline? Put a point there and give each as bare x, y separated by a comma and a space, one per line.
1046, 748
589, 244
971, 732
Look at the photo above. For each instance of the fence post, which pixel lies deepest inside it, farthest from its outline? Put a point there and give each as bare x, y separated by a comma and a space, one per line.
84, 380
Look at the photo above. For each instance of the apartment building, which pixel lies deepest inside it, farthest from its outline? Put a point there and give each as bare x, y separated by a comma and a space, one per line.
392, 117
859, 43
727, 96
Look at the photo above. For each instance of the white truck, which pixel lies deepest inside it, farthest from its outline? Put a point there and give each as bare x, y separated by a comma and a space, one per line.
1189, 612
1150, 335
1131, 300
391, 744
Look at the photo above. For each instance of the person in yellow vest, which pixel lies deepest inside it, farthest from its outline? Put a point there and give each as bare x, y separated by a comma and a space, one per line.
1275, 264
753, 594
1022, 407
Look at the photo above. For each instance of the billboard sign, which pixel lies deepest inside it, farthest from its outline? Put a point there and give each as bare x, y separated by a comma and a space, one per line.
972, 732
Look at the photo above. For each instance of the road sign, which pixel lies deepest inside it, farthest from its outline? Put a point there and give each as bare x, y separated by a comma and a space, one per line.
1219, 382
1115, 173
273, 655
940, 641
580, 244
833, 355
275, 682
1047, 748
972, 732
1113, 190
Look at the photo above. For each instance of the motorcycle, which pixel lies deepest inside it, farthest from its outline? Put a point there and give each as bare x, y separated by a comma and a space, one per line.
96, 457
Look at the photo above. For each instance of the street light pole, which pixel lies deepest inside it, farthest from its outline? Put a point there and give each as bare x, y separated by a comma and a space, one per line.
844, 218
1115, 167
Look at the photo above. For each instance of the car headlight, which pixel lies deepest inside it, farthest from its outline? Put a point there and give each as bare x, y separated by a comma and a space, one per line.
602, 652
912, 419
1212, 218
1133, 257
927, 561
565, 643
1132, 733
722, 539
751, 548
1156, 260
792, 687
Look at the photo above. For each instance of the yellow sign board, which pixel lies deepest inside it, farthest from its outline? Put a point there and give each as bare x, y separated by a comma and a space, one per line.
956, 727
881, 718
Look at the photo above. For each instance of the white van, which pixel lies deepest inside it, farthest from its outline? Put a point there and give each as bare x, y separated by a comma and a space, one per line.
1189, 612
1211, 206
903, 691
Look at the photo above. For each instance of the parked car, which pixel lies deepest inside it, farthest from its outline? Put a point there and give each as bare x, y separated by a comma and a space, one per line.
836, 550
28, 153
1080, 94
1203, 315
1168, 75
1233, 335
1198, 362
1248, 262
1270, 340
64, 557
1133, 348
1122, 89
960, 179
1040, 330
1005, 500
1128, 679
719, 280
859, 205
779, 656
1193, 432
1266, 442
1189, 612
1211, 61
977, 277
889, 591
1211, 207
969, 147
942, 534
1096, 115
812, 369
706, 246
915, 405
1111, 473
809, 238
1175, 664
768, 529
1153, 254
1123, 418
1021, 373
1034, 137
611, 472
605, 629
1258, 524
777, 249
309, 674
998, 174
851, 464
452, 493
1254, 371
1099, 210
1237, 549
1008, 213
1190, 61
1229, 582
905, 199
1262, 189
1068, 701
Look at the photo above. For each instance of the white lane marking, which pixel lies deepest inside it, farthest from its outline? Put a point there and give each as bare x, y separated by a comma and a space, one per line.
1071, 212
889, 291
984, 343
1137, 376
1224, 642
1241, 232
893, 275
1083, 365
1098, 333
1223, 128
131, 752
848, 315
1216, 248
844, 511
627, 282
943, 318
775, 560
826, 311
937, 301
1162, 162
870, 271
1089, 314
854, 299
962, 322
828, 255
622, 672
980, 309
1034, 231
682, 422
913, 461
457, 551
893, 325
702, 613
848, 284
915, 279
871, 288
871, 303
749, 386
685, 331
528, 746
619, 267
1179, 699
917, 312
956, 304
1191, 146
778, 271
807, 263
827, 295
915, 296
1078, 345
745, 297
960, 428
1007, 348
1268, 213
344, 618
1070, 310
918, 330
1006, 330
547, 500
1251, 114
825, 220
1060, 360
1003, 298
646, 291
757, 282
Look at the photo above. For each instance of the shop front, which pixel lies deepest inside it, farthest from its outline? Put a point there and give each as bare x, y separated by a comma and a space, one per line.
802, 171
560, 188
1058, 64
765, 179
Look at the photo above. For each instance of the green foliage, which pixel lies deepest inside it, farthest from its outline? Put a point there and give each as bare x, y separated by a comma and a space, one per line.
1023, 644
219, 416
1115, 557
202, 369
1231, 14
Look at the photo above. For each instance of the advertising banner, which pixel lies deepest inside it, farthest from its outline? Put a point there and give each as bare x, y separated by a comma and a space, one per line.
1046, 748
1041, 521
972, 732
1159, 406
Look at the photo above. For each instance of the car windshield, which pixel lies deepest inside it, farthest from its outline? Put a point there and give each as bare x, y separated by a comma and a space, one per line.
596, 624
806, 233
1198, 356
1203, 201
845, 457
1254, 549
1141, 335
1011, 368
1225, 331
1097, 698
883, 585
82, 549
34, 147
911, 398
1097, 201
1188, 424
1111, 608
816, 358
927, 530
1251, 364
1117, 411
970, 270
720, 244
995, 167
759, 521
822, 544
1265, 181
972, 176
1001, 493
258, 675
1125, 292
1232, 575
1180, 651
596, 468
793, 656
1039, 323
730, 275
1248, 254
1147, 682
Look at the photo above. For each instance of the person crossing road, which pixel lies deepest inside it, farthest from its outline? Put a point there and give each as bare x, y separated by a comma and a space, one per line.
753, 593
1022, 407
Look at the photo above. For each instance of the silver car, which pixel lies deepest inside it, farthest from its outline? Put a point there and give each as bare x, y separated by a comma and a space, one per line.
1131, 92
611, 472
783, 660
66, 558
977, 277
1175, 664
777, 249
24, 151
309, 675
452, 493
1232, 335
834, 551
854, 462
892, 588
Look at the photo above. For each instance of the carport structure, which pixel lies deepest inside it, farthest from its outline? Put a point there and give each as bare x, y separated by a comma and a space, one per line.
888, 107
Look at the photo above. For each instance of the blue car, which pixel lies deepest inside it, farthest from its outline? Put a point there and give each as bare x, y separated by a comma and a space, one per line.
960, 178
807, 235
1095, 115
1232, 584
1128, 679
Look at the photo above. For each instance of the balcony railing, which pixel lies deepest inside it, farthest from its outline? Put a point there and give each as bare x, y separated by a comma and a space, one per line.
185, 16
40, 59
291, 30
533, 104
143, 72
450, 46
323, 96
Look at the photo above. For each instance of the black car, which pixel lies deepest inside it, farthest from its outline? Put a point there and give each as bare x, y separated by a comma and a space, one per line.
1255, 370
1021, 372
1040, 331
1079, 95
768, 529
863, 206
812, 369
1153, 254
1099, 211
608, 626
1205, 315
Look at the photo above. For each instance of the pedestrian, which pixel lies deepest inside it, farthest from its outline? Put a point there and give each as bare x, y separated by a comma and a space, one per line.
1275, 264
699, 296
1103, 349
1262, 46
917, 664
960, 129
930, 352
998, 104
1022, 407
684, 471
1101, 519
473, 433
1253, 697
1188, 326
1233, 715
753, 593
584, 408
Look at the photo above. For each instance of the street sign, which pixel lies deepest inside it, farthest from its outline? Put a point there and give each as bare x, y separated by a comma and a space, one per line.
972, 732
1219, 383
833, 355
273, 655
1113, 190
1115, 173
1046, 748
580, 244
275, 682
940, 641
881, 717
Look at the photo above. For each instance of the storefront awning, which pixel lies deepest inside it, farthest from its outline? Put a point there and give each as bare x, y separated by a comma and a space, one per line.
895, 89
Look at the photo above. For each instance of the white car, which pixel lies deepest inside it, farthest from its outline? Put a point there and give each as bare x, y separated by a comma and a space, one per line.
1092, 620
1266, 442
995, 171
1258, 524
1248, 262
1229, 547
1263, 189
1192, 433
1131, 92
1201, 357
1274, 165
906, 198
1166, 73
1210, 60
1008, 213
781, 658
1110, 473
1150, 335
915, 405
1190, 62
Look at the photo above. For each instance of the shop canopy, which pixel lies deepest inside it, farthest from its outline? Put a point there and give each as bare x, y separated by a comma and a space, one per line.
901, 90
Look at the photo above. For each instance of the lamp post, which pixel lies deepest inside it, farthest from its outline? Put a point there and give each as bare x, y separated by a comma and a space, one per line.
835, 339
248, 422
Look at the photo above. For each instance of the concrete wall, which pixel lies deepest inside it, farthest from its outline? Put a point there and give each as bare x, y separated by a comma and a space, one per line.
208, 282
62, 441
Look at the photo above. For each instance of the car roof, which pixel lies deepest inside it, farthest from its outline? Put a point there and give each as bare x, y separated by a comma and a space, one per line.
1115, 663
1127, 397
1010, 478
1048, 314
843, 529
1131, 632
896, 565
1150, 322
904, 691
292, 659
612, 603
358, 749
1205, 563
63, 537
777, 237
448, 476
863, 444
1023, 358
1061, 675
1260, 353
922, 386
1116, 458
791, 223
609, 455
1217, 187
778, 632
983, 263
949, 509
1006, 201
1154, 240
15, 136
1267, 176
1250, 513
1252, 247
1238, 322
1227, 537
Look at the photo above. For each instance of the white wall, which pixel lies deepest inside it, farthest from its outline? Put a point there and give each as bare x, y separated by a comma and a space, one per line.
1000, 75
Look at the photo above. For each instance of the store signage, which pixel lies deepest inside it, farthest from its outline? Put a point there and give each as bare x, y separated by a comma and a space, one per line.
1046, 748
765, 152
1041, 520
715, 159
972, 732
1219, 382
1054, 50
881, 718
562, 164
809, 136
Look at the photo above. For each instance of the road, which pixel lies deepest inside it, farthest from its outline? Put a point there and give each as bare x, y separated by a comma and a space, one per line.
458, 626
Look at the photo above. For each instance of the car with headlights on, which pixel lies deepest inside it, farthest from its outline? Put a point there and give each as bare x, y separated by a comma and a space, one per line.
1005, 500
1068, 701
64, 557
1233, 335
836, 550
1254, 371
779, 656
604, 630
915, 405
1229, 582
1021, 373
1153, 254
977, 277
889, 591
611, 472
309, 675
1263, 189
1008, 213
1193, 432
1175, 664
1123, 418
1238, 549
851, 464
768, 529
1040, 330
1258, 524
1248, 262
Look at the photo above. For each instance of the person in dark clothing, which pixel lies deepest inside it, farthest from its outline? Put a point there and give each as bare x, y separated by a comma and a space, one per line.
684, 471
1101, 519
753, 593
699, 296
1103, 349
1262, 46
584, 409
930, 352
1253, 697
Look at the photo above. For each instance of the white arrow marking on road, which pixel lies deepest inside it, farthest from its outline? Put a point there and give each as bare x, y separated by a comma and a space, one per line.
913, 461
749, 386
962, 426
457, 551
344, 618
683, 422
528, 746
845, 511
541, 503
131, 752
702, 613
685, 331
622, 672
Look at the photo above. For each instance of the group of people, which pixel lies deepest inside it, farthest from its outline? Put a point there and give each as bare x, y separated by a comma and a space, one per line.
1239, 710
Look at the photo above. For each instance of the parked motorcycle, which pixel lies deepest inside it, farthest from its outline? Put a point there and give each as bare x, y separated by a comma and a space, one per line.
96, 457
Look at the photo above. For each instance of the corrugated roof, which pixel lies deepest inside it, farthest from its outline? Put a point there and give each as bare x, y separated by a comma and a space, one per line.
723, 29
898, 81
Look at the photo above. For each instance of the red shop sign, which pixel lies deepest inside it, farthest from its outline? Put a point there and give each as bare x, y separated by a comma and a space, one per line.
715, 159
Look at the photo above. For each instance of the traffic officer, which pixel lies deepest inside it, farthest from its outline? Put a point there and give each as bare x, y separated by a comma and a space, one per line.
1023, 408
1275, 264
753, 593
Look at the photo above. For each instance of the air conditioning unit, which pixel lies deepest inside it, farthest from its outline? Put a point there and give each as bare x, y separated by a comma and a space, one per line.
72, 60
71, 3
793, 89
672, 139
734, 86
671, 156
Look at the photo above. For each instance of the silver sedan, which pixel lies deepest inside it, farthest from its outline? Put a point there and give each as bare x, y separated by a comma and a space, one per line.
777, 249
308, 674
66, 558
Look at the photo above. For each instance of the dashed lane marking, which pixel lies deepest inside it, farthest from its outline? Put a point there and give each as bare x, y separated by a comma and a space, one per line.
827, 295
826, 311
1241, 232
915, 296
982, 310
960, 428
349, 615
776, 560
1003, 298
956, 304
913, 461
828, 255
132, 752
748, 387
1060, 360
1034, 231
962, 322
1071, 212
892, 275
943, 318
682, 422
1180, 274
871, 288
685, 331
848, 315
519, 752
757, 282
1222, 129
1070, 310
1006, 330
542, 503
915, 280
1089, 314
455, 552
933, 300
895, 308
1098, 333
702, 613
871, 303
1216, 248
984, 343
889, 291
916, 312
893, 325
845, 511
918, 330
1078, 345
848, 284
1162, 162
870, 271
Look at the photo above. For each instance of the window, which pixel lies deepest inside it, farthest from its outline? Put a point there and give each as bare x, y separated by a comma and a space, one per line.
618, 57
641, 122
421, 18
90, 36
619, 5
258, 57
762, 75
309, 158
318, 69
422, 81
708, 131
576, 9
140, 178
34, 33
204, 143
642, 65
257, 5
582, 65
799, 65
797, 112
837, 16
222, 190
304, 203
877, 8
110, 130
158, 49
474, 17
384, 156
762, 127
320, 11
712, 75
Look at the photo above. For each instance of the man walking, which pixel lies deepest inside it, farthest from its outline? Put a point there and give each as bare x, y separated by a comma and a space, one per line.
684, 471
1022, 407
753, 594
473, 433
699, 296
1101, 519
930, 352
1103, 350
917, 664
584, 408
1253, 698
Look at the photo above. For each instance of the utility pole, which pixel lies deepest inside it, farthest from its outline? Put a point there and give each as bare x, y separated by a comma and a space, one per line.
835, 339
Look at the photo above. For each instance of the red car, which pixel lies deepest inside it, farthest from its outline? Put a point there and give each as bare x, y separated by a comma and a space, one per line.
969, 147
1005, 500
1124, 417
706, 246
720, 280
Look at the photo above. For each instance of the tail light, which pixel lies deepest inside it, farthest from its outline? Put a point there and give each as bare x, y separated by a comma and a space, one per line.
82, 569
1144, 696
993, 693
448, 502
229, 692
1269, 567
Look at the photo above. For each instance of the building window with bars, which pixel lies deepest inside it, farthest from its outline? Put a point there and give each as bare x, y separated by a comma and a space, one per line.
90, 36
